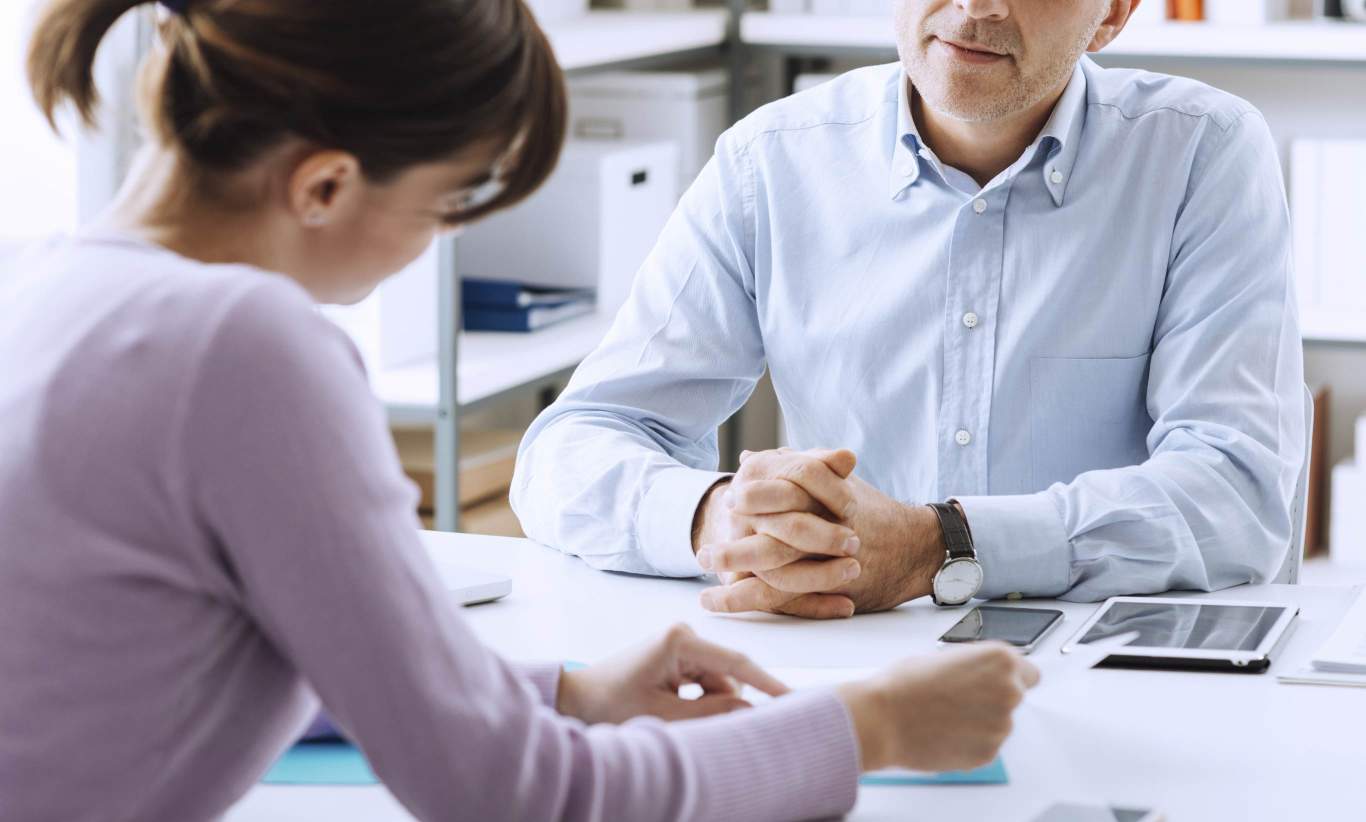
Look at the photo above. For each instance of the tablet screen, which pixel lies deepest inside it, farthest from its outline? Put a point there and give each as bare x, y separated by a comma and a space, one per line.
1187, 625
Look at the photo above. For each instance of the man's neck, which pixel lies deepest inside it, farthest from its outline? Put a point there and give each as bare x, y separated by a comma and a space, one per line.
981, 149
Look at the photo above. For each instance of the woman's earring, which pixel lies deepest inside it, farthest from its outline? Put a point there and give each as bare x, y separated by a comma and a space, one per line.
315, 218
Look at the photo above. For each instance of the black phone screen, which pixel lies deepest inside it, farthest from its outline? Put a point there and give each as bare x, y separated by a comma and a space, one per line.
1018, 626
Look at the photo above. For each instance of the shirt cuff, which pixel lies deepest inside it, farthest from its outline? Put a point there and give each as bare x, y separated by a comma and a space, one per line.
664, 519
794, 758
1021, 545
545, 678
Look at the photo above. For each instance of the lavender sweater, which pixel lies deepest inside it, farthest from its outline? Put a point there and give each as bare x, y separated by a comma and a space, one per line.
203, 523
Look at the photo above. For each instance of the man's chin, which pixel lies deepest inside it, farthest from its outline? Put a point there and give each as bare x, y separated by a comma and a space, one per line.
970, 102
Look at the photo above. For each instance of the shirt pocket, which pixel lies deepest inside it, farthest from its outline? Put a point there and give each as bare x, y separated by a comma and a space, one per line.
1086, 414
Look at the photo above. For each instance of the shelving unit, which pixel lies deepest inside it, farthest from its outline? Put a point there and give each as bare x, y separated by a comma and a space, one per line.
491, 366
611, 38
472, 369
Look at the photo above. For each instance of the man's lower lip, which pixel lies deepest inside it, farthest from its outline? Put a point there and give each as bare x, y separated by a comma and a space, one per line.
968, 55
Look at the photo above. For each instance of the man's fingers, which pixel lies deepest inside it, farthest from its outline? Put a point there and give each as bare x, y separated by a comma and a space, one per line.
807, 533
819, 606
719, 662
841, 460
757, 553
750, 594
812, 575
771, 497
812, 475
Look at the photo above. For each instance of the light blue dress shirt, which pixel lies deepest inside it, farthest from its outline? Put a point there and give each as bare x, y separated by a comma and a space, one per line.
1097, 353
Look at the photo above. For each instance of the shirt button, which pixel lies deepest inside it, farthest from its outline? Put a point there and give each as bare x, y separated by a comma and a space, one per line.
1056, 177
962, 437
979, 205
970, 320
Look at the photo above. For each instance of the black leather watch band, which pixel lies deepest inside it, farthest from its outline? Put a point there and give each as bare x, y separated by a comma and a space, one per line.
957, 537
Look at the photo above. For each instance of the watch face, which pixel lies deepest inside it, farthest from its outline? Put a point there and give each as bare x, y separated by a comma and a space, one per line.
957, 581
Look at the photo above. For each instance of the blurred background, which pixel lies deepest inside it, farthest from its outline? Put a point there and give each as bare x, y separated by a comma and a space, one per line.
469, 343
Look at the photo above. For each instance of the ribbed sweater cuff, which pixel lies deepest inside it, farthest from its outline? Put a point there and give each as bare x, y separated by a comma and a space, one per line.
793, 758
545, 676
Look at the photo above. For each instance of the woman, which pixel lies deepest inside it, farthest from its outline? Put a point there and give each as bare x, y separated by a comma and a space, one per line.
204, 522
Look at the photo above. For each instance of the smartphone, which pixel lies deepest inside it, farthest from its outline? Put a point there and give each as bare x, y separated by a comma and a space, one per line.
1068, 812
1021, 627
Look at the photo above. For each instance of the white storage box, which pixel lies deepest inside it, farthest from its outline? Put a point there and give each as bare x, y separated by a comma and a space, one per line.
868, 8
1326, 205
395, 325
789, 6
1347, 531
590, 226
1150, 12
555, 11
1245, 11
688, 107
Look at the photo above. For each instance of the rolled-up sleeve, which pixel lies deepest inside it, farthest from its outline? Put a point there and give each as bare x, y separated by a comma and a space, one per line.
615, 469
1211, 506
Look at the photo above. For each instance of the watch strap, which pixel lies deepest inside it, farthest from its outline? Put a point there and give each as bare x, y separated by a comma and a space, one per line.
957, 537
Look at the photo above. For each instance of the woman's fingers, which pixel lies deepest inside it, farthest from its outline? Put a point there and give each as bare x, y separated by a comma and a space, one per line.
712, 660
704, 706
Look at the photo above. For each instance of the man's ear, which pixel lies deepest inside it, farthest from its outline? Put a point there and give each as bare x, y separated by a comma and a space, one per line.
1114, 22
322, 185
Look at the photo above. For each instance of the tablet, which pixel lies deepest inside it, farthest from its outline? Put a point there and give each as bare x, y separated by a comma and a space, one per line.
1188, 634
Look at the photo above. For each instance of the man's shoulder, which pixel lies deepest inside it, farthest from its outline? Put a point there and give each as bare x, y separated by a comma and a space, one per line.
1136, 95
851, 99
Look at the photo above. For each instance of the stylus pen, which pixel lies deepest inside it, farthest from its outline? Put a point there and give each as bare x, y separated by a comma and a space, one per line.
1090, 655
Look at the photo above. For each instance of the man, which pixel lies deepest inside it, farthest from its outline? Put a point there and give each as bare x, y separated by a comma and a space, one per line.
1049, 299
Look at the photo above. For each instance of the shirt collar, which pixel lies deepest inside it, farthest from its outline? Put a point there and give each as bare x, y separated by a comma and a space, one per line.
1060, 138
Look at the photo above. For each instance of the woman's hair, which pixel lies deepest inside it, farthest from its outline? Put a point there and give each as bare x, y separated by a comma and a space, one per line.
393, 83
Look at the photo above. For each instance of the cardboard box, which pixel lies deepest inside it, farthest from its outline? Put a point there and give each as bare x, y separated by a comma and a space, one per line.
1348, 532
493, 518
487, 460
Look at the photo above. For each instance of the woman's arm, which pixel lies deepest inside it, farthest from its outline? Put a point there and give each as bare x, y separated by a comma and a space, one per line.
289, 463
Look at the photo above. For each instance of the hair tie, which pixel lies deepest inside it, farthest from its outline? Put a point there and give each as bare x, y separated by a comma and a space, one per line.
177, 6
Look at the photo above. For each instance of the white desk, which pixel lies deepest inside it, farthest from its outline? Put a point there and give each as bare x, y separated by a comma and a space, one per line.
1203, 747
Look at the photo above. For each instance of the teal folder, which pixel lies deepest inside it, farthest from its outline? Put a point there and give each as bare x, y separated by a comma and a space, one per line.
340, 763
993, 773
321, 763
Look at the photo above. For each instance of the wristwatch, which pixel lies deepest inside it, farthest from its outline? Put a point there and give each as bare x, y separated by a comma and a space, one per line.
960, 577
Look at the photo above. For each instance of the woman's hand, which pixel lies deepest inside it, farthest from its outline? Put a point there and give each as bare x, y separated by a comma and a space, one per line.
944, 712
645, 682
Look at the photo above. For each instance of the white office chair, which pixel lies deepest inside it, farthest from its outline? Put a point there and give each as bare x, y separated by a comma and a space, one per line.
1299, 507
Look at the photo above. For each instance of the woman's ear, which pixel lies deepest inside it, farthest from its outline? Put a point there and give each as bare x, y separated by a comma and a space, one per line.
323, 185
1114, 22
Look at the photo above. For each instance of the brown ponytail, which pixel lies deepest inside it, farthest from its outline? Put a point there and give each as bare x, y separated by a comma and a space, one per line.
61, 60
394, 83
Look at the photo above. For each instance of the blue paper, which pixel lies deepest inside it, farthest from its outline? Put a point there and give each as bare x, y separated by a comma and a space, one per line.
321, 763
341, 763
331, 761
993, 773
